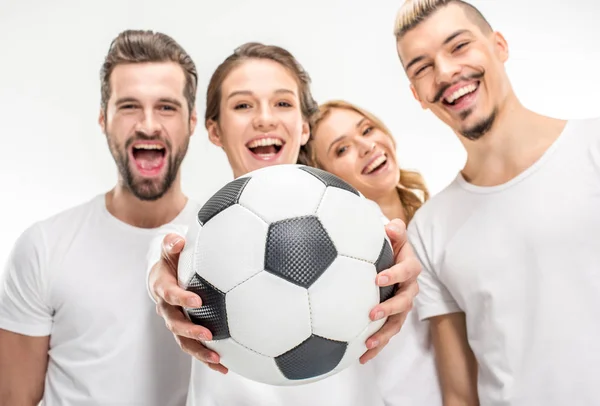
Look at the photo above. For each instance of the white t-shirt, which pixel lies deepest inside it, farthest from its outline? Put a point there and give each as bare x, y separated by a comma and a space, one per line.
522, 261
402, 374
76, 277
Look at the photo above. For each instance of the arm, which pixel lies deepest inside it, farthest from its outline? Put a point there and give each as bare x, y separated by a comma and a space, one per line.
25, 322
23, 363
455, 361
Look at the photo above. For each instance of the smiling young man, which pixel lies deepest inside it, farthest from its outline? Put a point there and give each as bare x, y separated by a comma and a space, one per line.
510, 250
75, 324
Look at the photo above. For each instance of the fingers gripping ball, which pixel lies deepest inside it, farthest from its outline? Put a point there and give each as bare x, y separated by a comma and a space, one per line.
285, 263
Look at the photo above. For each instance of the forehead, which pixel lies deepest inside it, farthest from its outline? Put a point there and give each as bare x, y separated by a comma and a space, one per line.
433, 31
260, 76
147, 80
341, 120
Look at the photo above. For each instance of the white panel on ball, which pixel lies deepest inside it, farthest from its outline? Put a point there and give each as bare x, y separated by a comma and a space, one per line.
342, 298
247, 363
268, 314
353, 224
281, 194
357, 347
222, 248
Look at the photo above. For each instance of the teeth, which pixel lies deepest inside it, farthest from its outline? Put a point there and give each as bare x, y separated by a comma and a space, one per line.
378, 161
461, 92
148, 146
265, 142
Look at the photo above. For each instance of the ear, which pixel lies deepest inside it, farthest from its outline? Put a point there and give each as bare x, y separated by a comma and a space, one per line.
305, 133
416, 96
102, 120
213, 133
500, 46
193, 121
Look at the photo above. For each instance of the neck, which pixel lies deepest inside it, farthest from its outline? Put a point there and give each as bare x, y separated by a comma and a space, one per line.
391, 205
122, 204
517, 139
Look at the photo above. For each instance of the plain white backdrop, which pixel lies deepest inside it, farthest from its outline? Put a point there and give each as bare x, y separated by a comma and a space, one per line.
55, 156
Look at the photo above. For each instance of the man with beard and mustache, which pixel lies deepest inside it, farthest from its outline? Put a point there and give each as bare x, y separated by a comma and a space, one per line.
75, 323
509, 249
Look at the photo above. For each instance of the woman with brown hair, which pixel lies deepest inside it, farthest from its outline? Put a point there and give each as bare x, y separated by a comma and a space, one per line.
259, 110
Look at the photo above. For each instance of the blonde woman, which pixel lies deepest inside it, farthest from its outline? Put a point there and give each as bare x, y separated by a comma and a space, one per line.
353, 144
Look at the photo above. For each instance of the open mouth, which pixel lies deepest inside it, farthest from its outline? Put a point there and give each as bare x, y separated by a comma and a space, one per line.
149, 157
265, 148
376, 165
461, 95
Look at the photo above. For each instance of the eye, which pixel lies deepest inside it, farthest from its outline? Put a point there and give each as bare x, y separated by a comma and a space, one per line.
284, 104
167, 108
460, 46
341, 150
367, 130
421, 69
240, 106
127, 106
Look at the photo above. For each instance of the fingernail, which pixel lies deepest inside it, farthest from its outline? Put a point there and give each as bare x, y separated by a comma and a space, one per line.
174, 242
202, 337
394, 227
193, 302
379, 315
213, 359
374, 344
383, 279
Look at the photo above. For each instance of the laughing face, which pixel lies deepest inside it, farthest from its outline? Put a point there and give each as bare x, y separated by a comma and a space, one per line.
456, 70
350, 146
147, 125
260, 121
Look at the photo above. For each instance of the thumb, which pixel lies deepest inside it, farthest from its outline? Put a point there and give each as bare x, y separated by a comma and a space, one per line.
172, 245
396, 232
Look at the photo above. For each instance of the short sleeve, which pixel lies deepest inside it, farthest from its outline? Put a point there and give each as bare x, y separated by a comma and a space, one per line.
24, 306
433, 298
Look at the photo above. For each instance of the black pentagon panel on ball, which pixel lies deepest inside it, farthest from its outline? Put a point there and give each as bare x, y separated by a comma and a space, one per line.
299, 250
227, 196
212, 314
329, 179
315, 356
385, 261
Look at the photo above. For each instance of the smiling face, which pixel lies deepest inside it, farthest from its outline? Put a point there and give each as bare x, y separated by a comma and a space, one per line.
351, 146
260, 120
456, 69
147, 125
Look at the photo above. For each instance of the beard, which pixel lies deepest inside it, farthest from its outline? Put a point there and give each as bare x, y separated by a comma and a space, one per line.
142, 188
480, 128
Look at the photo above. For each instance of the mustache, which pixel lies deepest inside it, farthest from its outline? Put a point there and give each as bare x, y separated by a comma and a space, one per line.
440, 93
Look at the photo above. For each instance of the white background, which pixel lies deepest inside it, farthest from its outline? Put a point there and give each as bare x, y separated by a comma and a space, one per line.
54, 155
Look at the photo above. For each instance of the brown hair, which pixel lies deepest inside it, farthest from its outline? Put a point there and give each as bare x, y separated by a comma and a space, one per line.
410, 183
137, 46
255, 50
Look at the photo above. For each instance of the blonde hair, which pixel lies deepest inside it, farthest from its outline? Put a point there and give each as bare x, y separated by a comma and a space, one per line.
413, 12
411, 182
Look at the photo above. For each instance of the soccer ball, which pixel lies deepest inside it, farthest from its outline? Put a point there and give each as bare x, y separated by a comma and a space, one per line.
285, 263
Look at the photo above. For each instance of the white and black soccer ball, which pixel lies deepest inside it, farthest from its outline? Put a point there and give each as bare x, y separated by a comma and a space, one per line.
285, 263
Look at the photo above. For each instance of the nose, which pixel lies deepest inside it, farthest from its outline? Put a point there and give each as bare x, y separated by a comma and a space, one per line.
365, 146
264, 120
445, 70
148, 124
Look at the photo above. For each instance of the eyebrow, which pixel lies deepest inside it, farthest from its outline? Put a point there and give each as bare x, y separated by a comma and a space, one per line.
249, 93
162, 100
446, 41
341, 137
